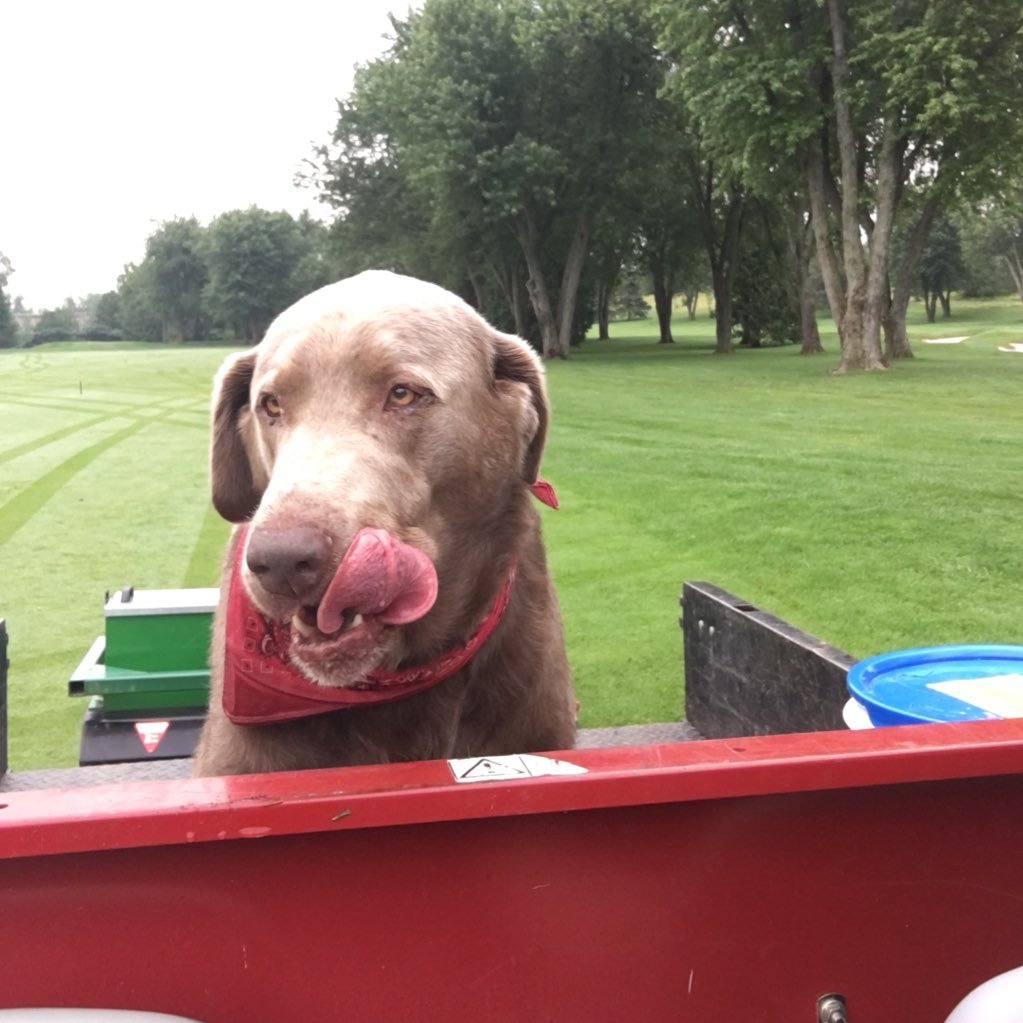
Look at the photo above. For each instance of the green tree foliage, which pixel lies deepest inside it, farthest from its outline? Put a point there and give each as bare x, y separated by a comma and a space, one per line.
941, 267
107, 311
59, 324
665, 214
887, 111
493, 135
178, 275
140, 315
992, 247
258, 264
627, 301
238, 273
161, 297
314, 267
767, 301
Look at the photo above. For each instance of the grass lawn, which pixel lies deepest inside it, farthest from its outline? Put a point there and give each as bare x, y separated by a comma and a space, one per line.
876, 511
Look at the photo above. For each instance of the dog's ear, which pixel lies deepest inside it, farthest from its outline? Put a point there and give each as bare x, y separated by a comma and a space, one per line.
514, 360
234, 489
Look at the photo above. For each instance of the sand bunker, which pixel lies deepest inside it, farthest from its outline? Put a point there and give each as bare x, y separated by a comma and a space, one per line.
1012, 346
943, 340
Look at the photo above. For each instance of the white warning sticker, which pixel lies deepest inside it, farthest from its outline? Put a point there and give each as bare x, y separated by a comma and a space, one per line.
151, 733
506, 768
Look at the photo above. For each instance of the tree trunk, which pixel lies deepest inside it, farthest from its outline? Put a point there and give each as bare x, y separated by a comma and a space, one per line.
808, 318
720, 232
603, 314
945, 298
896, 339
722, 311
477, 290
1015, 264
505, 277
519, 299
800, 237
607, 277
723, 273
663, 294
691, 298
827, 257
570, 278
536, 286
865, 279
604, 289
930, 304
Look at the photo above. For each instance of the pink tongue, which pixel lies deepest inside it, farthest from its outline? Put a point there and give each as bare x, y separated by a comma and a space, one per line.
379, 575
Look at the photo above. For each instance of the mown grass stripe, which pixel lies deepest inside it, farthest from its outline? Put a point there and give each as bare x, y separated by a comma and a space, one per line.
50, 438
105, 405
204, 561
85, 424
88, 406
20, 508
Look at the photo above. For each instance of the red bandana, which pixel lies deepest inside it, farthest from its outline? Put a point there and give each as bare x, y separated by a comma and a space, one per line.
262, 686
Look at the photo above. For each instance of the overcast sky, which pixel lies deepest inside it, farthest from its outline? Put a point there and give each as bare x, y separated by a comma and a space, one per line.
120, 114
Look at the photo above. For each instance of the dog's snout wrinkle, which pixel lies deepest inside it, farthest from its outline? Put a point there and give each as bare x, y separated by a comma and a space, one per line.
289, 562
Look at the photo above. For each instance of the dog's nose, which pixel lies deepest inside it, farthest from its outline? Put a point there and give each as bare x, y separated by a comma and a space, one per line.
290, 562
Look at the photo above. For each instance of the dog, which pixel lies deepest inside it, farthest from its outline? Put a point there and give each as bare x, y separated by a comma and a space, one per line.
385, 594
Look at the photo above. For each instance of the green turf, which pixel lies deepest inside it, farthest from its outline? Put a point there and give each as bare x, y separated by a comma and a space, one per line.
102, 483
876, 511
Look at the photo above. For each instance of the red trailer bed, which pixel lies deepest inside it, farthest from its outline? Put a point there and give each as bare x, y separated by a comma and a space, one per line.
708, 881
720, 880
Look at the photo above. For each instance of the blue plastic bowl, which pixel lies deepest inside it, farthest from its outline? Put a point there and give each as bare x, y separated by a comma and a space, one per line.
894, 686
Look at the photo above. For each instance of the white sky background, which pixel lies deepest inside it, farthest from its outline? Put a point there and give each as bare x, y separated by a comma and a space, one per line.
116, 115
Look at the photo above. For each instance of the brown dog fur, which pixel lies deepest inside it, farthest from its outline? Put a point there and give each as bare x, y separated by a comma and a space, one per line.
449, 475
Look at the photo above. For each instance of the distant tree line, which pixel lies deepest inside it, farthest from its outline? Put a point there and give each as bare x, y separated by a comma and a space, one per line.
229, 279
555, 162
225, 280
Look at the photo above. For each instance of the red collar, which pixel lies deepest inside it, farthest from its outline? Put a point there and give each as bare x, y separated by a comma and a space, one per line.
262, 686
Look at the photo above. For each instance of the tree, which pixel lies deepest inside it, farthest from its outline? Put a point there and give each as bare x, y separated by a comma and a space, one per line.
886, 109
408, 198
721, 202
509, 125
107, 311
724, 173
767, 302
140, 317
258, 264
59, 324
8, 325
991, 236
941, 267
177, 277
315, 267
627, 302
665, 213
384, 217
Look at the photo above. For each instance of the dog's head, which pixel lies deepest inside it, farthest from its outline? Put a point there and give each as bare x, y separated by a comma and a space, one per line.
379, 430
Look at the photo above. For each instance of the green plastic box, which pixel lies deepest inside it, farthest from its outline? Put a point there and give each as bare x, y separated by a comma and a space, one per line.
153, 653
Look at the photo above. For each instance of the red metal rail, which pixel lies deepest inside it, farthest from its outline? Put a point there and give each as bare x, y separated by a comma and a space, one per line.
711, 881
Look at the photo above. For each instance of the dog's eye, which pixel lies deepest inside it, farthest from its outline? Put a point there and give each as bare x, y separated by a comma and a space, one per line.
401, 396
271, 406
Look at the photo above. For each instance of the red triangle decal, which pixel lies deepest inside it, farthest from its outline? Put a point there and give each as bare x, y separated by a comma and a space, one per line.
151, 733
